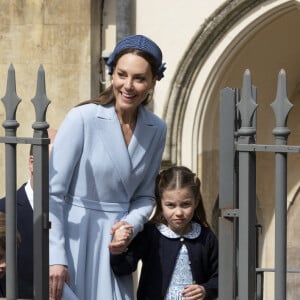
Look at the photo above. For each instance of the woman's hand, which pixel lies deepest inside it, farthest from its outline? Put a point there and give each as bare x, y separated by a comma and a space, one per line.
58, 276
194, 292
122, 233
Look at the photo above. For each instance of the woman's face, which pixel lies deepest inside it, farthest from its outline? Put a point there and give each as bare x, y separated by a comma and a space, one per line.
132, 80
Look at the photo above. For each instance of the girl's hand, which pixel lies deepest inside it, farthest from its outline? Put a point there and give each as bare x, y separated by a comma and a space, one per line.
58, 276
122, 232
194, 292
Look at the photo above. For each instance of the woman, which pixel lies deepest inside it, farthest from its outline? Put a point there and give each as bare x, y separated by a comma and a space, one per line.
103, 166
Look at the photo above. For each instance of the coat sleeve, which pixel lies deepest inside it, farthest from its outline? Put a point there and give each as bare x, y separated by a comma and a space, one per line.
65, 154
143, 201
211, 286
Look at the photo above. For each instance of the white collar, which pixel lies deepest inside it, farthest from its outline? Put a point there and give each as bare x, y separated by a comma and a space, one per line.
29, 193
167, 232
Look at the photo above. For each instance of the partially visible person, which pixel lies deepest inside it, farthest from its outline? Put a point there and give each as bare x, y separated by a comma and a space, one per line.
24, 198
105, 159
3, 250
178, 250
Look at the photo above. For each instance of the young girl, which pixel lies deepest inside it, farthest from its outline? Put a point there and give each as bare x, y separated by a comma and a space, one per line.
179, 252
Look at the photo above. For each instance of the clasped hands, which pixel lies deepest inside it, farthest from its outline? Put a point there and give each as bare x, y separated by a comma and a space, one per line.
122, 235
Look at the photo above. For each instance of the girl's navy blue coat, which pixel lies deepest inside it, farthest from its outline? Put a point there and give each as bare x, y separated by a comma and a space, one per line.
158, 254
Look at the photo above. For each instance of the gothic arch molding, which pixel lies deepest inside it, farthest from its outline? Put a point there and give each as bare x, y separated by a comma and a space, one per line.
216, 27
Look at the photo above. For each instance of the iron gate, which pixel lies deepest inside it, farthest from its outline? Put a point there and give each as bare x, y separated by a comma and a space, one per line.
237, 192
40, 142
239, 275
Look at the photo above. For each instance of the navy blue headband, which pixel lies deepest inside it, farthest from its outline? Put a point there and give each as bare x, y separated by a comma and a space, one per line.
139, 42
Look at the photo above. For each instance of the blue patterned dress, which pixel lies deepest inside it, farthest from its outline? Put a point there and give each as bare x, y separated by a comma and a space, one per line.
182, 274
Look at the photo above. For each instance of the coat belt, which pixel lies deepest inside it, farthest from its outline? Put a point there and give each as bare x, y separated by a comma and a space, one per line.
97, 205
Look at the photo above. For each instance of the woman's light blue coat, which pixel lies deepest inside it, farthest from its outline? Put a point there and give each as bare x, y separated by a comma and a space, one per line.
96, 180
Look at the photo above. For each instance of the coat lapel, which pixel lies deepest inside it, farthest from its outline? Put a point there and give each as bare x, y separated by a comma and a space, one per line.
112, 138
125, 159
142, 138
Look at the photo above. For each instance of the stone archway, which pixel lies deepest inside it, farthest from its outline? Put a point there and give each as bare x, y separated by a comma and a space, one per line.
209, 34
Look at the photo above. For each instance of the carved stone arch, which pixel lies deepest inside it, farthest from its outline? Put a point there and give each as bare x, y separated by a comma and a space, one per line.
205, 40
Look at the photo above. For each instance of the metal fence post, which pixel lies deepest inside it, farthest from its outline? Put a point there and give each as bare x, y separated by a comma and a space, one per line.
11, 102
247, 194
281, 107
227, 196
41, 192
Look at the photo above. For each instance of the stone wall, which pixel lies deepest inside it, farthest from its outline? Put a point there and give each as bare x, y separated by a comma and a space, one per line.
56, 34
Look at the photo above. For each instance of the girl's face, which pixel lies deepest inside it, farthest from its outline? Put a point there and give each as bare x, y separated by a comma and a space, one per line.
2, 263
132, 80
178, 208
